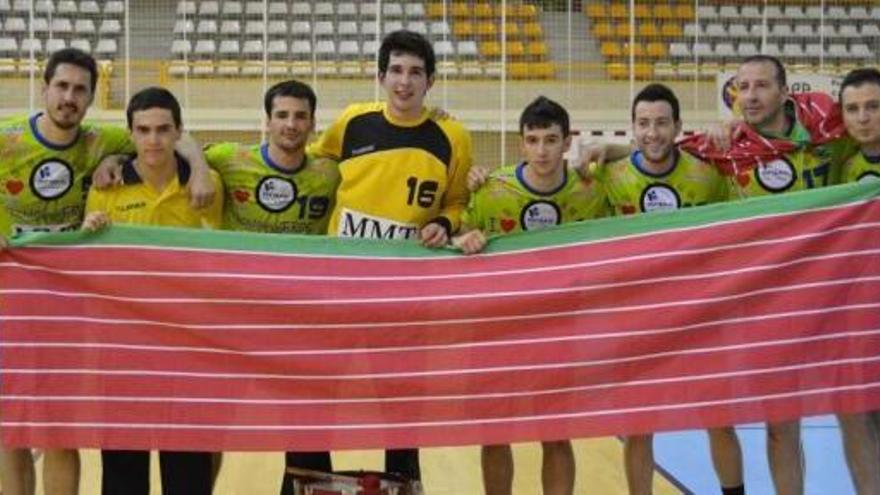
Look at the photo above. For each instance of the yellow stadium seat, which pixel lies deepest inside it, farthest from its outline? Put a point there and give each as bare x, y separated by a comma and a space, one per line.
671, 30
684, 12
533, 30
519, 70
460, 10
515, 49
644, 71
621, 30
435, 10
526, 70
513, 30
663, 11
656, 50
638, 49
643, 11
537, 49
527, 12
463, 29
595, 10
610, 49
544, 70
486, 29
490, 49
617, 70
618, 11
647, 30
603, 30
483, 11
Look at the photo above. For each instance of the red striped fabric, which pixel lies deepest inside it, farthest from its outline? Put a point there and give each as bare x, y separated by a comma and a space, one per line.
141, 347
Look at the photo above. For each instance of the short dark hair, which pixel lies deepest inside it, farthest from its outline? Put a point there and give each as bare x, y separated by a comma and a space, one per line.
153, 97
293, 89
857, 77
409, 42
543, 113
781, 78
72, 56
657, 92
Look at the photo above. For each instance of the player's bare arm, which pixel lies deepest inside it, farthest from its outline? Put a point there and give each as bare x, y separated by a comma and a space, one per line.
201, 187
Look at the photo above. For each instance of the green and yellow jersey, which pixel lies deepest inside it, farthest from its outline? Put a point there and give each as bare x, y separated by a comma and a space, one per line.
395, 176
43, 185
137, 202
807, 167
263, 197
631, 188
861, 167
506, 203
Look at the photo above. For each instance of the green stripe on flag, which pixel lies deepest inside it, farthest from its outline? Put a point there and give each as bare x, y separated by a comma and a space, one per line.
595, 230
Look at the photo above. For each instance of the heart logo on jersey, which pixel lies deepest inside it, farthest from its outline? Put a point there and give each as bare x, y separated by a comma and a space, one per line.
14, 186
241, 196
508, 224
628, 209
743, 179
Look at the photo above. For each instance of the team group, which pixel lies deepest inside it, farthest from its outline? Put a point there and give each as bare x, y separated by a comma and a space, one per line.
398, 170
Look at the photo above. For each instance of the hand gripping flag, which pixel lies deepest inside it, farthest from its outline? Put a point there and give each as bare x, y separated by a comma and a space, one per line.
762, 309
817, 112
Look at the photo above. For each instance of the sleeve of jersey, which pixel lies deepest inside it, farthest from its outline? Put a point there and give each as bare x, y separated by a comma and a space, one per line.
457, 194
329, 143
212, 218
471, 218
114, 140
218, 155
97, 200
841, 151
118, 140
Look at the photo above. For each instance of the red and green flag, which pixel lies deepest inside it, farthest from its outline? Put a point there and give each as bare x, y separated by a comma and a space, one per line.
762, 309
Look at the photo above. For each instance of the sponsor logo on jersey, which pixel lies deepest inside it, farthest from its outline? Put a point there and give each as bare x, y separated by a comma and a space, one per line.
539, 215
363, 226
869, 176
660, 197
776, 176
276, 194
51, 179
131, 206
66, 227
363, 150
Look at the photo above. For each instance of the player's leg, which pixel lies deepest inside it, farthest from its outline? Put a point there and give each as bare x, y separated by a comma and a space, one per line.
404, 462
497, 461
727, 459
186, 473
216, 464
638, 462
61, 471
315, 461
125, 472
17, 472
557, 470
786, 457
860, 444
